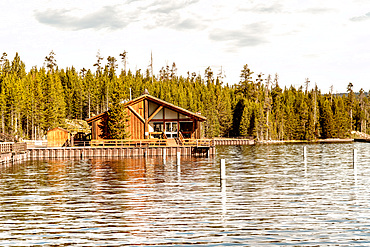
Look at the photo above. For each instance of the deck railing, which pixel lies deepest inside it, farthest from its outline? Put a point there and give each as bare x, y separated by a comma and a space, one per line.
181, 138
81, 143
198, 142
129, 143
11, 147
149, 143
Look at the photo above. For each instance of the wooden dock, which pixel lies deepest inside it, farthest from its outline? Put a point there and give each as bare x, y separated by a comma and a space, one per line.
233, 142
90, 152
361, 140
10, 152
118, 148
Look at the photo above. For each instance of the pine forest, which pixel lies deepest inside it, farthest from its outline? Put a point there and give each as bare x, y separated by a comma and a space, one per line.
34, 101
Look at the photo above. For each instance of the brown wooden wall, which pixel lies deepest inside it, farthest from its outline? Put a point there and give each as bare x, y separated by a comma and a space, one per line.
57, 137
97, 128
136, 127
137, 123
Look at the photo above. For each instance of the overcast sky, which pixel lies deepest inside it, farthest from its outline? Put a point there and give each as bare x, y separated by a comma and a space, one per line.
325, 41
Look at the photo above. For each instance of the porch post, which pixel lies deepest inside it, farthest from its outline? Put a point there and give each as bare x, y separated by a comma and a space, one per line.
146, 117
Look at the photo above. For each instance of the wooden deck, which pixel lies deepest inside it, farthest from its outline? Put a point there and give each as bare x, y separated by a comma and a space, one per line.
128, 148
362, 140
119, 148
108, 148
112, 151
233, 142
153, 143
10, 152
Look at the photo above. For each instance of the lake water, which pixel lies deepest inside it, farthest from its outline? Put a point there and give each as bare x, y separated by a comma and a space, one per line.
271, 197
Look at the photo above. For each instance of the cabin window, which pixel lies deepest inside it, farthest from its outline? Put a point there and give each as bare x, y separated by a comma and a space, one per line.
182, 116
186, 126
152, 108
171, 129
159, 115
169, 114
158, 127
186, 129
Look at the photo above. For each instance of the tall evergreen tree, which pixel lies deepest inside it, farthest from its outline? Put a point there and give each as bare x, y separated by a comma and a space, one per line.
118, 121
327, 120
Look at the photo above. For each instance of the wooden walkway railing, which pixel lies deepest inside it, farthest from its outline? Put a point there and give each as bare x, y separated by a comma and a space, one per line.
129, 143
12, 147
149, 143
197, 142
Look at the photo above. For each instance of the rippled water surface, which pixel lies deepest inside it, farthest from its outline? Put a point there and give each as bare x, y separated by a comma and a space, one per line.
270, 197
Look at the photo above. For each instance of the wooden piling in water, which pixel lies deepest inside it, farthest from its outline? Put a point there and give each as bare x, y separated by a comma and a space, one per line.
222, 169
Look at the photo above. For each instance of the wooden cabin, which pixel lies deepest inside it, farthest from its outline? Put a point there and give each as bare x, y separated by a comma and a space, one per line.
57, 137
150, 117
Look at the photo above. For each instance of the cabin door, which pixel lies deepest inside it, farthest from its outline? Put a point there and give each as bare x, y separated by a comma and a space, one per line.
171, 130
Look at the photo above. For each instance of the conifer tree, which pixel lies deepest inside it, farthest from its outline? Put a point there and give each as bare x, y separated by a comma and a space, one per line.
327, 120
277, 111
341, 119
224, 113
244, 86
35, 101
118, 121
350, 103
244, 128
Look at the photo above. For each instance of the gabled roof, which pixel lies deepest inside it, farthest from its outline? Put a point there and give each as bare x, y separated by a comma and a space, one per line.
159, 102
96, 117
58, 128
167, 105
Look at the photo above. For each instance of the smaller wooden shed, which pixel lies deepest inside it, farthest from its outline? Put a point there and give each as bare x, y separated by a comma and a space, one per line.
57, 137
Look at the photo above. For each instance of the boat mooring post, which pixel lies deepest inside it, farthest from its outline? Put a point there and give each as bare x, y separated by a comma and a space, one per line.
305, 153
164, 155
178, 155
355, 158
222, 170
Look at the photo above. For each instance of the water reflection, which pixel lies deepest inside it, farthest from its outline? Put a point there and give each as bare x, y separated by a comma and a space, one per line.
270, 197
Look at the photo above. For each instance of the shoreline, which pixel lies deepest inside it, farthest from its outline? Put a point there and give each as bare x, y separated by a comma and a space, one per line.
274, 142
331, 140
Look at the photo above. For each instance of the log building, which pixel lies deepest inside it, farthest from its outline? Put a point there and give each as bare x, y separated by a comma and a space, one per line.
150, 117
57, 137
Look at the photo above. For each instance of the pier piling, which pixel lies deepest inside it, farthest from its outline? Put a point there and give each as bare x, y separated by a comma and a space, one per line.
178, 162
222, 170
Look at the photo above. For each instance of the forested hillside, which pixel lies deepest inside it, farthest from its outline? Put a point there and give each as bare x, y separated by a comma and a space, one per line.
34, 101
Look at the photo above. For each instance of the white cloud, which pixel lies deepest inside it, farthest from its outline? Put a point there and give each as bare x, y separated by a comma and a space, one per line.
248, 35
364, 17
271, 8
326, 41
107, 17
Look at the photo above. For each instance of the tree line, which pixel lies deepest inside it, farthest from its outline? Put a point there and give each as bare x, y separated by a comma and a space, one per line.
34, 101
